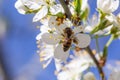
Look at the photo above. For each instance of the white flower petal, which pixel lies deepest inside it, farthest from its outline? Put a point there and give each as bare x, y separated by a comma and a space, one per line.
115, 4
38, 37
89, 76
78, 63
58, 65
50, 38
108, 6
115, 75
46, 54
20, 7
84, 5
44, 28
56, 9
41, 14
32, 5
100, 32
78, 29
54, 24
83, 40
88, 29
60, 54
44, 21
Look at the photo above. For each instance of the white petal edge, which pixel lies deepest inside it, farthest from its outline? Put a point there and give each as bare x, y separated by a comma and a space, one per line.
83, 40
51, 39
60, 54
41, 14
89, 76
20, 7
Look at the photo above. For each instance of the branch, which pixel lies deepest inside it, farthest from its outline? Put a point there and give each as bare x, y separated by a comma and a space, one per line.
69, 15
96, 62
66, 9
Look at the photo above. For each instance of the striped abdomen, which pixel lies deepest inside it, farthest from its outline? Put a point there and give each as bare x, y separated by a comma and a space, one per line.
67, 44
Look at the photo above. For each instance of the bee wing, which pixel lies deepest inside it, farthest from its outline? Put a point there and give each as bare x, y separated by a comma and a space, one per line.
83, 40
75, 40
60, 54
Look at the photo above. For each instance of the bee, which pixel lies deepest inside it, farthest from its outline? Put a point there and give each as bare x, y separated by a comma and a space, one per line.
68, 39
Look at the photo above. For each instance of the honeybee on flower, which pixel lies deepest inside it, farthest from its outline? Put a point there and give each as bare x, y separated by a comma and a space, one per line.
63, 36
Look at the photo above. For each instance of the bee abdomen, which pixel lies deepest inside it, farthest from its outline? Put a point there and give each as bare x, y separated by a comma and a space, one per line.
66, 45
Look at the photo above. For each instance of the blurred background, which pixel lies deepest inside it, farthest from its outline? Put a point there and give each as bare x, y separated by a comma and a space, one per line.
18, 57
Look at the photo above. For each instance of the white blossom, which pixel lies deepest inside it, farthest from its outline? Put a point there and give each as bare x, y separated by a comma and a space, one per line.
56, 9
84, 5
56, 37
41, 8
93, 22
20, 7
115, 75
73, 70
46, 53
89, 76
108, 6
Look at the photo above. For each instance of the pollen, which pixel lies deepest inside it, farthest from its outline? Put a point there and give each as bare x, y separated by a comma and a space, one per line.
37, 27
94, 52
38, 46
52, 22
42, 54
118, 19
41, 59
77, 49
50, 37
44, 66
44, 46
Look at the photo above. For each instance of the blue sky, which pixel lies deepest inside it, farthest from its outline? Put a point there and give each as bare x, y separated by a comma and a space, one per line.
19, 45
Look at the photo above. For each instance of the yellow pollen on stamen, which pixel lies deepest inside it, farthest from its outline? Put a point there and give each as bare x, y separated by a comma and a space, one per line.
37, 27
41, 59
58, 24
44, 66
42, 54
94, 52
38, 46
44, 46
56, 72
63, 68
118, 19
52, 22
50, 37
53, 29
85, 52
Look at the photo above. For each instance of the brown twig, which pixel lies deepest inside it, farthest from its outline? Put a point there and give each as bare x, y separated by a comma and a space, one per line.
96, 62
69, 15
66, 9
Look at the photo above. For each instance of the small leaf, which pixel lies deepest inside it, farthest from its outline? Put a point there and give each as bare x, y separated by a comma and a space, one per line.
78, 4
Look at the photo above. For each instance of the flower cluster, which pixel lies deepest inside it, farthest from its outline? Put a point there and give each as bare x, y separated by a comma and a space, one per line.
66, 32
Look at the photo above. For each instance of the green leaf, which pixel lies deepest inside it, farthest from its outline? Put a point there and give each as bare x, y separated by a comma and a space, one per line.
78, 4
60, 14
104, 23
105, 50
84, 14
